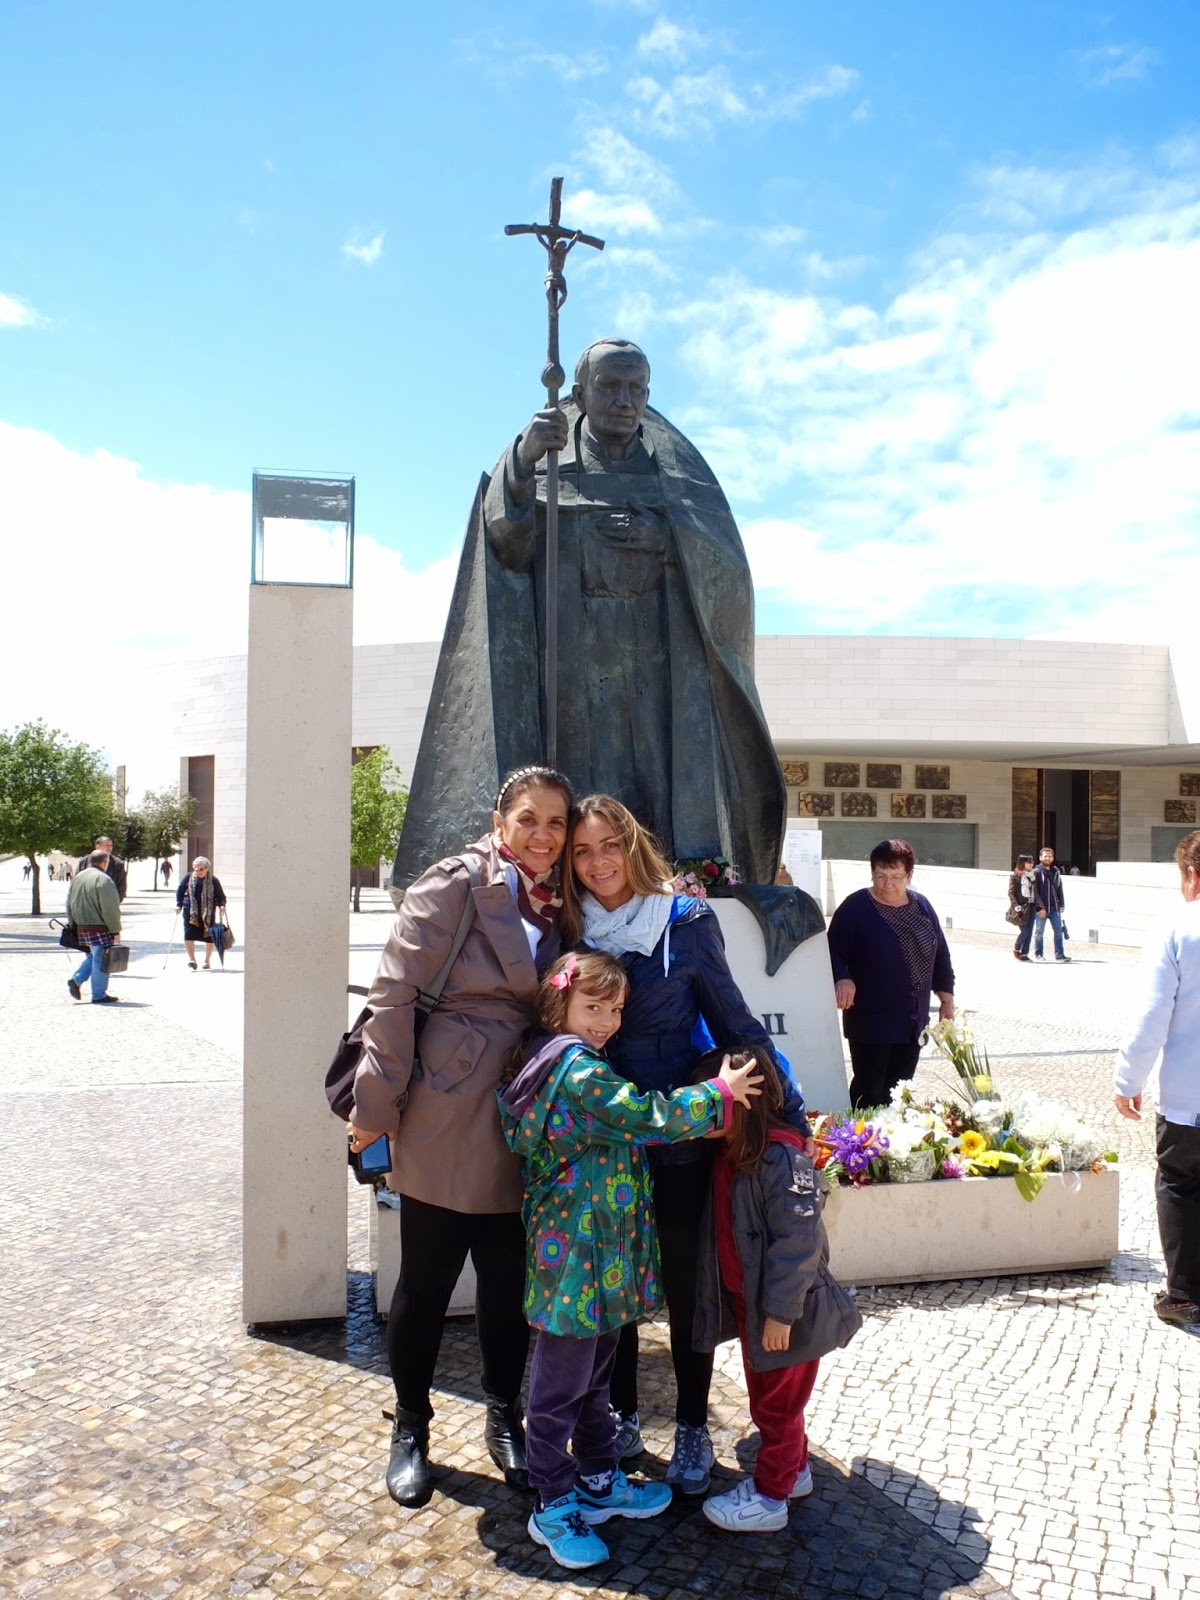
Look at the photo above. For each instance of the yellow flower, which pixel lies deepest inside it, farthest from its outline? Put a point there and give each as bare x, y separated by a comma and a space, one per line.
973, 1144
983, 1084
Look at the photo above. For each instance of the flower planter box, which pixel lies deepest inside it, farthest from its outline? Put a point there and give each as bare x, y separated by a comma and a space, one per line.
971, 1228
384, 1246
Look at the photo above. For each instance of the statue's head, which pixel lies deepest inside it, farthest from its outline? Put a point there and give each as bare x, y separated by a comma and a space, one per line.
612, 385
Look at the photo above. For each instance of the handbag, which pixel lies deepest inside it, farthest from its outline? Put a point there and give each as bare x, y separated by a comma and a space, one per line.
68, 936
114, 958
340, 1073
223, 936
1015, 915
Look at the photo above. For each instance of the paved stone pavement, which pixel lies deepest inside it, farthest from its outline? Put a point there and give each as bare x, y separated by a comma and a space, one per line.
1032, 1436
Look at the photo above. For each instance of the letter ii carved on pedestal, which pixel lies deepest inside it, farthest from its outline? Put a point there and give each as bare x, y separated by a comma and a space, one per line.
775, 1017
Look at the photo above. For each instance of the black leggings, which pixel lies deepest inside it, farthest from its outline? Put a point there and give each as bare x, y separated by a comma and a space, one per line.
679, 1196
878, 1068
434, 1244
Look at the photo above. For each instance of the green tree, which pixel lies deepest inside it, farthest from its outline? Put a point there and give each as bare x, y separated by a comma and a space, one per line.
165, 816
378, 801
128, 834
53, 792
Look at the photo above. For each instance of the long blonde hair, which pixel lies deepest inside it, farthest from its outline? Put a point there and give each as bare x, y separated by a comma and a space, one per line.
648, 871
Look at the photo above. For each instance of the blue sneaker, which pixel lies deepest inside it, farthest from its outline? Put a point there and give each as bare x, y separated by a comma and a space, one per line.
621, 1498
560, 1527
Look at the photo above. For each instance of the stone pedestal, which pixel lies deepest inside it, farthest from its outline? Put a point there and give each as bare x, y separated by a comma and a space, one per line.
971, 1228
384, 1241
298, 741
796, 1005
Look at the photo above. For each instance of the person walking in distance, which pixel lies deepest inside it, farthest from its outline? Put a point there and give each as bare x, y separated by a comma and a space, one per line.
94, 907
116, 867
1050, 902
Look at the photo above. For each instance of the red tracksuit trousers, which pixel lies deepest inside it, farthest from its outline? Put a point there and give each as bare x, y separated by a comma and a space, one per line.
777, 1402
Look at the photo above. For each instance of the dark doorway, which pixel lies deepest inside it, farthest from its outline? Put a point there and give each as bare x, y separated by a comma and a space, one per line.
1076, 811
202, 788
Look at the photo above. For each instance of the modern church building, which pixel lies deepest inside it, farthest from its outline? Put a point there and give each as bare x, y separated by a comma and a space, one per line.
972, 749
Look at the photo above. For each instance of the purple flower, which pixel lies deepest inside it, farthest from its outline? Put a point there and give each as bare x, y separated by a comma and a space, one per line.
952, 1167
855, 1145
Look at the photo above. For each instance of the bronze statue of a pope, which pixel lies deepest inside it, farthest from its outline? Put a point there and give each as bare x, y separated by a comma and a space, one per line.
656, 701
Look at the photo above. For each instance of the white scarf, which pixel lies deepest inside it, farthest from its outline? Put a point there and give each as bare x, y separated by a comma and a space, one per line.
635, 927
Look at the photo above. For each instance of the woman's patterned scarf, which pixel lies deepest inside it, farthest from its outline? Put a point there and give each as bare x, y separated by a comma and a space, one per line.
201, 900
539, 899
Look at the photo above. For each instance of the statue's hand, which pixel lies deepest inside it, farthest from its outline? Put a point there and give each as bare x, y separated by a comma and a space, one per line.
546, 431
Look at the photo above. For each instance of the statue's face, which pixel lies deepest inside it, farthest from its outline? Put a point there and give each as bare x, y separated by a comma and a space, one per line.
615, 395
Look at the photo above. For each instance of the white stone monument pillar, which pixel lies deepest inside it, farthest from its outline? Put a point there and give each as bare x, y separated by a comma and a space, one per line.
796, 1005
298, 746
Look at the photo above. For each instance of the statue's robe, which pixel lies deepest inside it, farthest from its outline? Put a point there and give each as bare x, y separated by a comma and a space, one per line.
656, 697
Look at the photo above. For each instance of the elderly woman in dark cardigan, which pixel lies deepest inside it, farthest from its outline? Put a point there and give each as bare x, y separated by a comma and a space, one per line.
888, 953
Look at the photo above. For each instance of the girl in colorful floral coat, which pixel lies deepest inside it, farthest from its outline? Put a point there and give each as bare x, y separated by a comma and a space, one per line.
593, 1260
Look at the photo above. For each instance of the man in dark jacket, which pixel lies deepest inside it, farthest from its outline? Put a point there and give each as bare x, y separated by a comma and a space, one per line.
115, 868
1048, 898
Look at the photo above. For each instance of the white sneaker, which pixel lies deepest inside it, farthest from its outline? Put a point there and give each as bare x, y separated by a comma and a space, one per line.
694, 1458
803, 1485
743, 1510
628, 1442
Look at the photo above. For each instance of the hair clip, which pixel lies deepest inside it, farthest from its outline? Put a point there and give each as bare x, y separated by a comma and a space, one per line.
562, 980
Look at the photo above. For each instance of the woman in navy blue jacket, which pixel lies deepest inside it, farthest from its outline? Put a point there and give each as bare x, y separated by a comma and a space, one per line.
682, 999
888, 952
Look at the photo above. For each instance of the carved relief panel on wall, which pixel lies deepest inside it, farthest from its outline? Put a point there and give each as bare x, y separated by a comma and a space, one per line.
883, 775
795, 773
950, 806
932, 778
1179, 811
908, 805
858, 805
812, 803
842, 774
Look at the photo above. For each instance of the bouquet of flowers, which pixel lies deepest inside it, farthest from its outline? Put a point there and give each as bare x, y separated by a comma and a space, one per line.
985, 1135
704, 876
849, 1150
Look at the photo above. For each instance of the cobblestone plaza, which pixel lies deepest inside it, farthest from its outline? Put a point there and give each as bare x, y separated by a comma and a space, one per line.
1038, 1436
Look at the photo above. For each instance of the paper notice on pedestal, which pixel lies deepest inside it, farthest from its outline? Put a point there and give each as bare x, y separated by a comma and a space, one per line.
802, 858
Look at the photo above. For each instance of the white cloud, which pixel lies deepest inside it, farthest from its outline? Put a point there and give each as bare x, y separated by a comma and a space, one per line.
691, 103
622, 213
365, 251
1014, 439
1116, 63
626, 258
174, 560
568, 68
622, 165
15, 313
669, 40
630, 189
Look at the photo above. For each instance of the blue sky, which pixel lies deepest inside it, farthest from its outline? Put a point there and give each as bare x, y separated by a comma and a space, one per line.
920, 280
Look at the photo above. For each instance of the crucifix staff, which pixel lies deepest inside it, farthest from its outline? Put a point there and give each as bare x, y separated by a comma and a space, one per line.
557, 242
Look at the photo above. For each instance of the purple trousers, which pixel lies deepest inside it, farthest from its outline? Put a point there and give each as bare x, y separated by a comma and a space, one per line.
568, 1406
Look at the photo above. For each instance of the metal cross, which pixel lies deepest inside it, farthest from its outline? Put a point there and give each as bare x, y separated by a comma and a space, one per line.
558, 242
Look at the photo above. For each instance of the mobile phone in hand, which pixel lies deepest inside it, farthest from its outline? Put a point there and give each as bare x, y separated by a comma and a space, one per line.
372, 1162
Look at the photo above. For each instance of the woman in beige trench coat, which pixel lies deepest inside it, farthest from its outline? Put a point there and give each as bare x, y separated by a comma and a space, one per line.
459, 1182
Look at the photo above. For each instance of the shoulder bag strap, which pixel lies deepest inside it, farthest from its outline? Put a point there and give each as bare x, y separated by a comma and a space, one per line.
429, 997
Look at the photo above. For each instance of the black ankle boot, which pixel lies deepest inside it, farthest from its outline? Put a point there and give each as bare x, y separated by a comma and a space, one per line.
409, 1481
505, 1439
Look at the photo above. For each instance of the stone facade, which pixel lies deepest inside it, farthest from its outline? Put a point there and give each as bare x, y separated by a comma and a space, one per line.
871, 711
